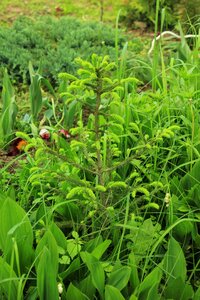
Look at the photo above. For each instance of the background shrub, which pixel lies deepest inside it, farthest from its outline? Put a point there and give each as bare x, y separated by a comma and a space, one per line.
145, 11
52, 45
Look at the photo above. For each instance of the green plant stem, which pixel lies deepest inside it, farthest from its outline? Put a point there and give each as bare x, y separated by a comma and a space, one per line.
96, 127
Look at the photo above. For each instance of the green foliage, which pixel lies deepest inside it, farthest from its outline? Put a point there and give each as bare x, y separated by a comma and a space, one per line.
16, 238
35, 93
47, 267
51, 44
8, 280
8, 110
142, 14
113, 211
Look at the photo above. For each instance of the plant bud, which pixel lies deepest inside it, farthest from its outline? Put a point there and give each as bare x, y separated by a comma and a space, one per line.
65, 133
44, 134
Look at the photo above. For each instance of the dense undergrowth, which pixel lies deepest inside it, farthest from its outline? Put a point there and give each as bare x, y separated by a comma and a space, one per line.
107, 207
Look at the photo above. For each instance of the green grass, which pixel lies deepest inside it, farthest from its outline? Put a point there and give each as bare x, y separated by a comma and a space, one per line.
86, 10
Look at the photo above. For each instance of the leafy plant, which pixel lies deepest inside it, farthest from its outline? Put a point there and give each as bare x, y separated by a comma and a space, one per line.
8, 111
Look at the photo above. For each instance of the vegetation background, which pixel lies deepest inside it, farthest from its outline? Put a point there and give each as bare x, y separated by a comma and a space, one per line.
100, 150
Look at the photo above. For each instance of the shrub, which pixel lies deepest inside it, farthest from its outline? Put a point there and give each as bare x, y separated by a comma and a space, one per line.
145, 11
52, 45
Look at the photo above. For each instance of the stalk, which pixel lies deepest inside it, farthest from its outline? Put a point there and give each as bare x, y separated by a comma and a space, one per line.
96, 127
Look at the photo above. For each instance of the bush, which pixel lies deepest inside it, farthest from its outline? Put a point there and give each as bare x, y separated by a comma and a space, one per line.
145, 11
52, 45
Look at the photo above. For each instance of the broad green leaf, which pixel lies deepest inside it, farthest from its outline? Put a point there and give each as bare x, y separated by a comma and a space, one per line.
46, 276
47, 267
96, 270
197, 294
86, 286
61, 244
100, 249
174, 262
32, 293
74, 293
9, 108
177, 289
153, 293
58, 235
133, 297
3, 198
134, 278
15, 227
35, 92
73, 248
92, 244
143, 237
152, 280
48, 241
182, 229
8, 280
119, 277
46, 83
112, 293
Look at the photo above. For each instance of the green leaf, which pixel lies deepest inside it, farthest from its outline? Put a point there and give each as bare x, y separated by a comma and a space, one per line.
47, 267
96, 270
74, 293
46, 276
86, 286
35, 92
133, 297
8, 280
150, 285
177, 289
46, 83
73, 248
119, 277
197, 294
112, 293
134, 278
100, 249
74, 266
9, 108
49, 242
143, 236
174, 262
58, 235
15, 227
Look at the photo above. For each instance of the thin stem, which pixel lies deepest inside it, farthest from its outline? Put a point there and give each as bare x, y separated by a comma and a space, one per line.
96, 127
